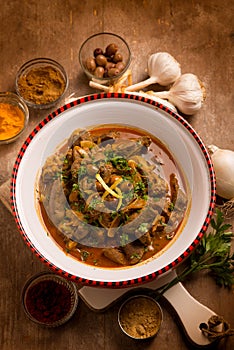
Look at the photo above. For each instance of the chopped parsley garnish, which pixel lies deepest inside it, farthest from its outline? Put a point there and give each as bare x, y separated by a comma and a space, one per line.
94, 202
120, 163
171, 206
82, 171
143, 227
75, 187
124, 239
84, 255
135, 255
139, 187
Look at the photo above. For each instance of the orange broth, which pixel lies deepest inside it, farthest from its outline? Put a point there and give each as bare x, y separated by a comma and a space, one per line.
95, 256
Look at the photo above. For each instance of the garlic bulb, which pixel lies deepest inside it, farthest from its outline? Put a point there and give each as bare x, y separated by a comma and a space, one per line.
187, 94
163, 69
223, 162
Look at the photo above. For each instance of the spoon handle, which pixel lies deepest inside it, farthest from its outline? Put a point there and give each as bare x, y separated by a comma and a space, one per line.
190, 312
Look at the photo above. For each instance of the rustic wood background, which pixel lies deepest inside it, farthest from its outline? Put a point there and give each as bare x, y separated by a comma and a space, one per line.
199, 34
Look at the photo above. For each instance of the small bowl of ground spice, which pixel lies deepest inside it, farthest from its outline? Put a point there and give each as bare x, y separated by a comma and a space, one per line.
41, 82
14, 117
140, 317
49, 300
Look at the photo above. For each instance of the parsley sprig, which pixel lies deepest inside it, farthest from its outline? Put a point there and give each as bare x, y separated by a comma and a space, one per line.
212, 254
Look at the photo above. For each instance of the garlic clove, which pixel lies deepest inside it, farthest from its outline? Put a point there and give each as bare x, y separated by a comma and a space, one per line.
223, 162
163, 69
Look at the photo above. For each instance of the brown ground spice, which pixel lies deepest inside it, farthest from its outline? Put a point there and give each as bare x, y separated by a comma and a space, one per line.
41, 85
140, 317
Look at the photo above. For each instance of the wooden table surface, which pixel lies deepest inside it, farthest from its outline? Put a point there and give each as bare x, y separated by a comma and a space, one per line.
199, 34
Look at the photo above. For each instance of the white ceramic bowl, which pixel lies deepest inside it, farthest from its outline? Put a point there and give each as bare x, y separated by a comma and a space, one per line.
180, 138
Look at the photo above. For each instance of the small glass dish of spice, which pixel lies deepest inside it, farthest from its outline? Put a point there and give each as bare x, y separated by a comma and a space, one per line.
104, 57
14, 117
41, 82
140, 317
49, 300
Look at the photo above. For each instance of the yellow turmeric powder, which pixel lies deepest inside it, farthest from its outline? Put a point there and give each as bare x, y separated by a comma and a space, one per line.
11, 120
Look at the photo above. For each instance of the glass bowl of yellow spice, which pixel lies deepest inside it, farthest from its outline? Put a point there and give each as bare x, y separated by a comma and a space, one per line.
14, 117
41, 82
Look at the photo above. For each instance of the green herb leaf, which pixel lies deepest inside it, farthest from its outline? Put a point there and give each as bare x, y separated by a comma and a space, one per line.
212, 254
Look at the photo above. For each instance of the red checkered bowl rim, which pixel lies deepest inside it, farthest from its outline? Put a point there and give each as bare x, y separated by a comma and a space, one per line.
126, 282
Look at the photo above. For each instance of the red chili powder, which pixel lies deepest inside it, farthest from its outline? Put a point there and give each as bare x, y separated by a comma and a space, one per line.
48, 301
